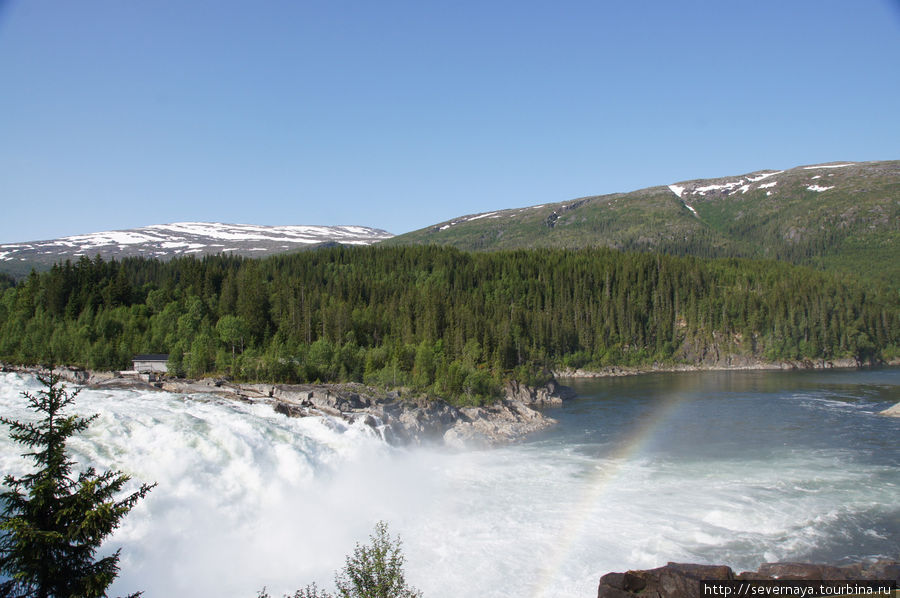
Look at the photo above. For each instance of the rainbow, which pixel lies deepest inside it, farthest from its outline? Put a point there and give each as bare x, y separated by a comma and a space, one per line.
593, 492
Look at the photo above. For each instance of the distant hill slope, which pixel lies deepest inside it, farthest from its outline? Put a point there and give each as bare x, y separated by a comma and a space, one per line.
840, 215
165, 241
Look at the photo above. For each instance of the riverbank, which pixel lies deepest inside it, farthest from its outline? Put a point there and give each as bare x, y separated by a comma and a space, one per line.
744, 364
399, 418
732, 363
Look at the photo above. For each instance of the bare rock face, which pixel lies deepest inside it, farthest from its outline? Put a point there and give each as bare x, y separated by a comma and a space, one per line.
678, 580
422, 420
802, 571
418, 422
500, 423
675, 580
550, 394
892, 411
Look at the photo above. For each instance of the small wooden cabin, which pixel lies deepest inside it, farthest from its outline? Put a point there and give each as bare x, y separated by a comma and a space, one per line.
152, 362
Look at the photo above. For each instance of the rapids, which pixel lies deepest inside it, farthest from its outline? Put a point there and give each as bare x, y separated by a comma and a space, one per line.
735, 468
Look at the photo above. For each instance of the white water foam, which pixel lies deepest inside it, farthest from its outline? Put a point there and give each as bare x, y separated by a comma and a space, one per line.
248, 498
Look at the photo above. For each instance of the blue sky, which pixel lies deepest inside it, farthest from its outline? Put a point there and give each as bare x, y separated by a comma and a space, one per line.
401, 114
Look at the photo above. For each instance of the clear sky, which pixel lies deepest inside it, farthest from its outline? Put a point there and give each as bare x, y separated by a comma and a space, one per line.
401, 114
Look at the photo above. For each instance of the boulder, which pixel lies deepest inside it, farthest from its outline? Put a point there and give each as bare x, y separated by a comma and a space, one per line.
289, 409
292, 394
500, 423
892, 411
678, 580
550, 394
675, 580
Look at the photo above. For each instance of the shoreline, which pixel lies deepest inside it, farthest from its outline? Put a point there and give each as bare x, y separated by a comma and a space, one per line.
400, 419
419, 419
762, 366
732, 365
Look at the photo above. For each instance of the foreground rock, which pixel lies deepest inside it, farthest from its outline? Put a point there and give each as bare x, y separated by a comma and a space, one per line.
679, 580
892, 411
399, 419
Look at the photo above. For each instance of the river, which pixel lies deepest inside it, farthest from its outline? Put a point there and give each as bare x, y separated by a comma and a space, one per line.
712, 467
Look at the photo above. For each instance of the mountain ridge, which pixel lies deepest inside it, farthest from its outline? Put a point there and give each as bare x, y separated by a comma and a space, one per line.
165, 241
842, 216
836, 215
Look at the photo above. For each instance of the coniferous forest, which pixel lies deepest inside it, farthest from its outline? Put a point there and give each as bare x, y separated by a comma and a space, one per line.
438, 320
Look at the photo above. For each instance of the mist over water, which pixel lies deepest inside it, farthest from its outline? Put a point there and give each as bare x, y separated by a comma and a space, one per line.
735, 468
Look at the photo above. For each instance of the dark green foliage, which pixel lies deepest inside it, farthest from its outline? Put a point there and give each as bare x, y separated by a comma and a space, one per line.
6, 281
439, 321
53, 523
375, 570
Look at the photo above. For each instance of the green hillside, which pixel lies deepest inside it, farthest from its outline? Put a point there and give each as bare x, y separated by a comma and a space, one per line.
441, 321
840, 216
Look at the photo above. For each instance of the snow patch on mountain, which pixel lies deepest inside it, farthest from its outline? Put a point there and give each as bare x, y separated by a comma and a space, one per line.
178, 238
750, 182
485, 215
496, 214
714, 187
765, 175
828, 166
251, 232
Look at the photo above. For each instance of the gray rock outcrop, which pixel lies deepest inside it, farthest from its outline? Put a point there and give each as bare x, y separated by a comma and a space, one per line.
892, 411
679, 580
420, 420
550, 394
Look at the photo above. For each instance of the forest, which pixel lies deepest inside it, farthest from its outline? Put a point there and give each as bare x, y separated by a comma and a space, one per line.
436, 320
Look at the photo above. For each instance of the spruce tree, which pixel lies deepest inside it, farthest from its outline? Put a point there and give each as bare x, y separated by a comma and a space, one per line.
53, 522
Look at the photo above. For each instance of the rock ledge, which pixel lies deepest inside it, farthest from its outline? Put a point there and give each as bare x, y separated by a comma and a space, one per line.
680, 580
400, 420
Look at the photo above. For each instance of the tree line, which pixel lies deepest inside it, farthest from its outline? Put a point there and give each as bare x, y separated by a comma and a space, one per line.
438, 320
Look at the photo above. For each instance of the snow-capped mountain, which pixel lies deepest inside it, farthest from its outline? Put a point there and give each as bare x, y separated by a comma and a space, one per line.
165, 241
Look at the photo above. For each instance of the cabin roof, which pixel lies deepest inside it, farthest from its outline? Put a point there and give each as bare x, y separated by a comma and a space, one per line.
151, 357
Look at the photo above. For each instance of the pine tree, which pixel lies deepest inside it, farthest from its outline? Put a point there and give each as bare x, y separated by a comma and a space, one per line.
53, 523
